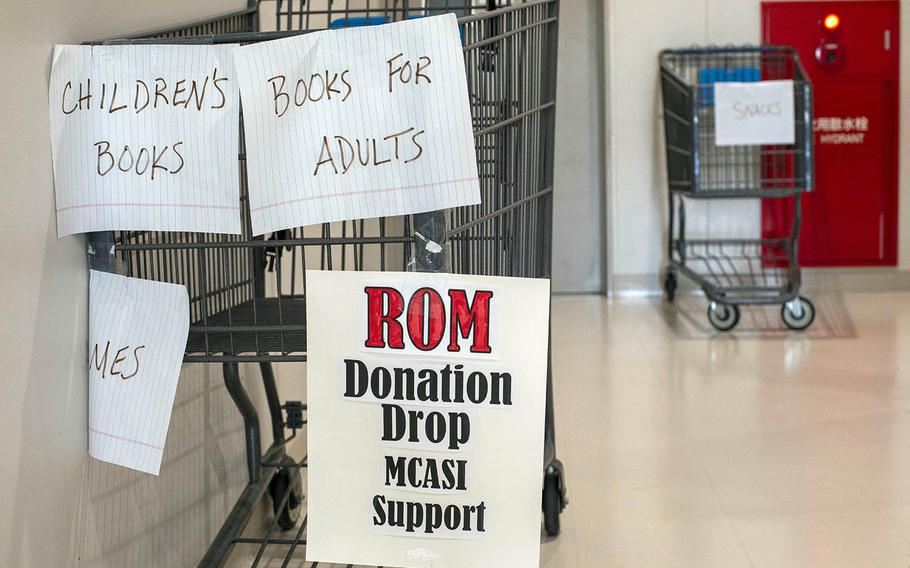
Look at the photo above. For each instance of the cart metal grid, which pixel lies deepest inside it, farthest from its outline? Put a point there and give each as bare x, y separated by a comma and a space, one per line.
734, 271
740, 269
247, 294
696, 165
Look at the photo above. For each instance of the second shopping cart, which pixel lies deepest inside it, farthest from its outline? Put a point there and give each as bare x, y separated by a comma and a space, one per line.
758, 269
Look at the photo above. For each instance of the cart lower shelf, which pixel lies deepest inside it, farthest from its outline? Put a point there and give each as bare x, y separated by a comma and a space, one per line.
739, 271
261, 326
734, 272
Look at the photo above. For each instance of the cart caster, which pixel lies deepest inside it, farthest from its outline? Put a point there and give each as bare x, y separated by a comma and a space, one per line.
670, 285
798, 314
723, 317
554, 499
288, 475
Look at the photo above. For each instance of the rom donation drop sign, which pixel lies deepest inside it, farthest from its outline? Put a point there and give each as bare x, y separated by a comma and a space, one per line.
426, 396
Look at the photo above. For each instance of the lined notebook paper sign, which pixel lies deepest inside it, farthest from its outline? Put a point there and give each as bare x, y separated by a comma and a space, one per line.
359, 122
754, 113
137, 336
145, 137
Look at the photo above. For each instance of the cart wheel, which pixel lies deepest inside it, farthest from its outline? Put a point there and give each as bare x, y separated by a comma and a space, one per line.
552, 504
723, 317
285, 477
670, 285
798, 314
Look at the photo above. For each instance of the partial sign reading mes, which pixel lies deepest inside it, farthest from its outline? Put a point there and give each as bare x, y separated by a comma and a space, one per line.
145, 137
426, 405
137, 335
357, 123
754, 113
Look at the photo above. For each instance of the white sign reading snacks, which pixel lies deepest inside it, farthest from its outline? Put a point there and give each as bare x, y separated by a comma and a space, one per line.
357, 123
426, 405
754, 113
137, 336
145, 137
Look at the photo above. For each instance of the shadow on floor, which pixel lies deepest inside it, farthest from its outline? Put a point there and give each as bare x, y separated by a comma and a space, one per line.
688, 318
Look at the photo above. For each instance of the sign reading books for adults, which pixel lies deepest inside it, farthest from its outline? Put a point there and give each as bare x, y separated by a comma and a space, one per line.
426, 401
356, 123
145, 137
137, 334
759, 112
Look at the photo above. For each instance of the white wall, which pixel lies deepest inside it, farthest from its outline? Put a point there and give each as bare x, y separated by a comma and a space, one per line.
637, 31
57, 507
578, 180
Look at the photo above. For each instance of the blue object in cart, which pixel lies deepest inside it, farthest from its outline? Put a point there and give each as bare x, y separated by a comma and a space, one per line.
358, 22
361, 21
710, 75
460, 28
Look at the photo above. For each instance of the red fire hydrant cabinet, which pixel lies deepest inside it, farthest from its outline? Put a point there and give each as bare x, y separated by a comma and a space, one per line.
850, 51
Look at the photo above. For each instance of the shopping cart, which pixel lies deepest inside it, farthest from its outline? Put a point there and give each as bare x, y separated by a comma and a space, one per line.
735, 271
247, 294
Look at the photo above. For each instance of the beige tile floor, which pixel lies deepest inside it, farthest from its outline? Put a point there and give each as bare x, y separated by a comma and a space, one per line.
761, 448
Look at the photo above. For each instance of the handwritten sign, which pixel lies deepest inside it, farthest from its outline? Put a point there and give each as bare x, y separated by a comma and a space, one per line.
754, 113
137, 335
355, 123
425, 428
145, 137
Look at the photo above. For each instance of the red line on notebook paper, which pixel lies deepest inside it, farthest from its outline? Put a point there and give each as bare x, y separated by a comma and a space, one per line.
187, 205
346, 193
100, 433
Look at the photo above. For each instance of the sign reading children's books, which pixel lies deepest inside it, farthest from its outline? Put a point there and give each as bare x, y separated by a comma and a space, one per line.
145, 137
426, 396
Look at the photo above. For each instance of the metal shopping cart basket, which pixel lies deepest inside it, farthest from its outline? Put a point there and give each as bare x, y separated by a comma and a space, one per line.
247, 293
735, 271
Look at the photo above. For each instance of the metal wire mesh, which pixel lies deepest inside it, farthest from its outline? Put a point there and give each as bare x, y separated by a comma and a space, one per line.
310, 15
695, 163
740, 268
235, 22
247, 294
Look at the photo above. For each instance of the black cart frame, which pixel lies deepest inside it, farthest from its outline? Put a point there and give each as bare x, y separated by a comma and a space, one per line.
247, 293
735, 271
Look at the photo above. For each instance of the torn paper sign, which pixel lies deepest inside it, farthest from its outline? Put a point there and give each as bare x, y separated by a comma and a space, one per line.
145, 137
137, 336
355, 123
